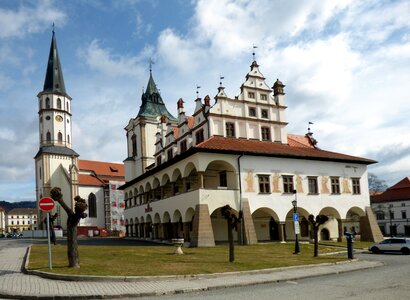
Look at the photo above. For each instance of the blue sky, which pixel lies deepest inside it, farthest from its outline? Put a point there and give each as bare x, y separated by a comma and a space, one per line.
345, 65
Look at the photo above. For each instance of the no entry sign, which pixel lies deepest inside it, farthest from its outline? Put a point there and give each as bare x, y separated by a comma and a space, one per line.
46, 204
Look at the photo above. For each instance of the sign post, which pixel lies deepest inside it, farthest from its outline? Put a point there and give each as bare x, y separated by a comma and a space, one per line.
47, 204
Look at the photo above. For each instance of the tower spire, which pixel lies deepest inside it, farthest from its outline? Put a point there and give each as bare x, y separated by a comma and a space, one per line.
54, 81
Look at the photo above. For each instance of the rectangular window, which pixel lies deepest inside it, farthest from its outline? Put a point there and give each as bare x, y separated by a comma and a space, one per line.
264, 113
183, 146
334, 182
199, 136
379, 215
170, 154
223, 179
264, 186
403, 204
251, 95
403, 214
287, 184
159, 160
312, 182
265, 134
264, 97
356, 186
391, 214
230, 129
252, 112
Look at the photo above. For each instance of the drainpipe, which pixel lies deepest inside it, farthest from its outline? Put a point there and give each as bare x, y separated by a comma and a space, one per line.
240, 200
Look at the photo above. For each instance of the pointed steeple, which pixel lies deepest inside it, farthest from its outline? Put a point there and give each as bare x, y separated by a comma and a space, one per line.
54, 81
152, 104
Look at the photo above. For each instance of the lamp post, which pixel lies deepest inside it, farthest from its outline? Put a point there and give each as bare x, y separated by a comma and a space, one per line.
391, 223
296, 223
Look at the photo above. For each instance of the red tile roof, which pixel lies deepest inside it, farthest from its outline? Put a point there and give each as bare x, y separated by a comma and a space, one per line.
398, 192
275, 149
100, 172
299, 141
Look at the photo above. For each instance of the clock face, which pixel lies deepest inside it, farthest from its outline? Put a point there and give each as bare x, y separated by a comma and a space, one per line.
59, 118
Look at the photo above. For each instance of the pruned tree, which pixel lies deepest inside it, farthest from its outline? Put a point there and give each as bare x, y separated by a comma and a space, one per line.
376, 184
73, 219
316, 222
233, 221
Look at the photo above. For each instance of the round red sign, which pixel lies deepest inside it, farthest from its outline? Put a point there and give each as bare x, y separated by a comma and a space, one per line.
46, 204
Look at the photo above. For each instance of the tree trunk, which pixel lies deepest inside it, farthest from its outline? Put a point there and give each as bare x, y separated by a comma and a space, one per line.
316, 240
230, 238
72, 247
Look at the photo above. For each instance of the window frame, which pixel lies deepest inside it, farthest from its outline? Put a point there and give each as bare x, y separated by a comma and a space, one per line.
230, 129
265, 134
223, 179
199, 136
92, 205
263, 112
288, 185
251, 95
253, 110
183, 147
313, 188
335, 185
356, 186
264, 184
264, 97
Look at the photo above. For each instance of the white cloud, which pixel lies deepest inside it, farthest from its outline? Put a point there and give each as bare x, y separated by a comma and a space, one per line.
104, 61
30, 19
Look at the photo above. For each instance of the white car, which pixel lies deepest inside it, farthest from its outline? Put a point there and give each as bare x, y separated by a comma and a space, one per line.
392, 245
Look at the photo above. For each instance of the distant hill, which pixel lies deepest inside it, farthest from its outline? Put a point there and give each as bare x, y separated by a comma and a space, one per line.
7, 206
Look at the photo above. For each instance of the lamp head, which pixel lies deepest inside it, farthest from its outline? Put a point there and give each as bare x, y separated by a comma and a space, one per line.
294, 203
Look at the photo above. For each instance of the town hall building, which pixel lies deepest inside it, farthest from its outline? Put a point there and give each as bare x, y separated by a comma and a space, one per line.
180, 171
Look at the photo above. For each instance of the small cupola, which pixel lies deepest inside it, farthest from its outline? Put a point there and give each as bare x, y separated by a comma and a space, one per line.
278, 88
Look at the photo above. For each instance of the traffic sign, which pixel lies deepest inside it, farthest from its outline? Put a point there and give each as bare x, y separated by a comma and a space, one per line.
295, 217
46, 204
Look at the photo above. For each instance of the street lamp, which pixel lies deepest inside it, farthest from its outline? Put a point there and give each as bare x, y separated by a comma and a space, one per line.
296, 223
391, 223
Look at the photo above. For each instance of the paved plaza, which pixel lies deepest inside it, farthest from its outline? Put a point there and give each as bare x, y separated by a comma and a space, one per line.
14, 283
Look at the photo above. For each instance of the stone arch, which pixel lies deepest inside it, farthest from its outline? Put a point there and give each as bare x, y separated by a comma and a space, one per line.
176, 174
136, 227
176, 216
127, 229
167, 226
303, 224
220, 174
134, 200
141, 195
177, 225
219, 225
334, 224
267, 225
189, 214
352, 220
157, 218
189, 168
156, 183
132, 233
165, 179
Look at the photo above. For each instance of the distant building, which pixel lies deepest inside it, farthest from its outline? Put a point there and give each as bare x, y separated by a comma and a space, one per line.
236, 151
22, 219
392, 209
57, 164
2, 220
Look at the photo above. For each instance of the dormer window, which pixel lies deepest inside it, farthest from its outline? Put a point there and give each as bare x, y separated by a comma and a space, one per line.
170, 154
159, 160
265, 134
264, 97
199, 136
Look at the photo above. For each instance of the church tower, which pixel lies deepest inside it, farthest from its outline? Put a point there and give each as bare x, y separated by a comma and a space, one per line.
56, 163
142, 130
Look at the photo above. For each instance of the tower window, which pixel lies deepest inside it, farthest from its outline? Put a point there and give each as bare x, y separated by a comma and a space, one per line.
92, 206
134, 145
47, 102
59, 103
60, 137
68, 138
68, 107
230, 129
48, 136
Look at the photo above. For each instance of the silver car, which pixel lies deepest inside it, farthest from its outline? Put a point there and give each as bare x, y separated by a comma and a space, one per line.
392, 245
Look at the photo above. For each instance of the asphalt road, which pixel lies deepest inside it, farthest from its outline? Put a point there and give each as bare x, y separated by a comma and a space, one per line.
388, 283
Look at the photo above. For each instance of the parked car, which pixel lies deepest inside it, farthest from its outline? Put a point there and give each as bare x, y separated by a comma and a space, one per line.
392, 245
2, 235
11, 235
